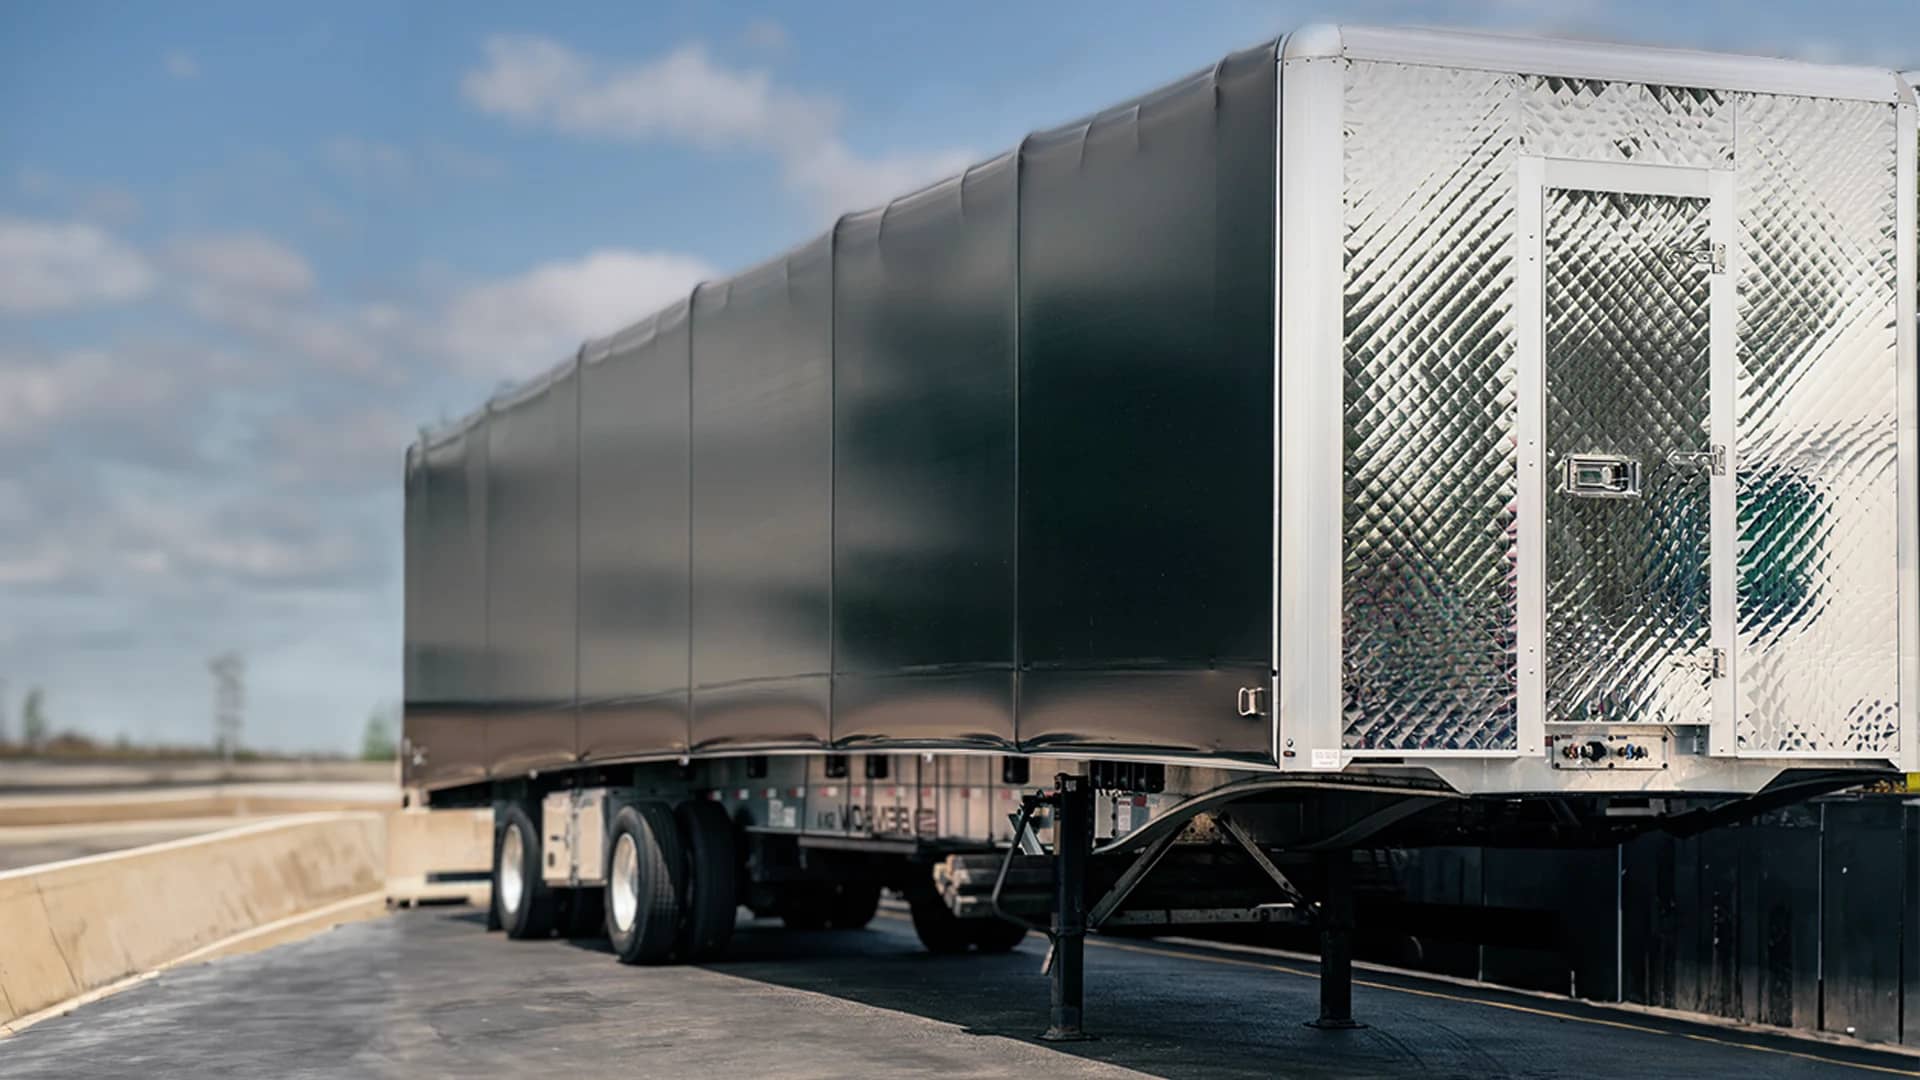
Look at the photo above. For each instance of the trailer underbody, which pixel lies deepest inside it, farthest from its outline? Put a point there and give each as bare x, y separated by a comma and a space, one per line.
1096, 846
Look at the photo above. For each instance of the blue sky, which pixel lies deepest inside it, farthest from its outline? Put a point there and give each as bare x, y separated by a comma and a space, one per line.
245, 250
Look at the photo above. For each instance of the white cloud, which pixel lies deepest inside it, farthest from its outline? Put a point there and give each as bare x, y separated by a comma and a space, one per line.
258, 286
165, 499
843, 180
147, 401
43, 564
346, 341
57, 266
523, 324
238, 486
246, 261
681, 95
181, 66
103, 204
249, 540
159, 539
41, 394
341, 341
489, 329
265, 290
687, 96
348, 450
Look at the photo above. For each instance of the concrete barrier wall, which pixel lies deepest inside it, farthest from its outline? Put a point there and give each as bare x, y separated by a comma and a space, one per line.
69, 928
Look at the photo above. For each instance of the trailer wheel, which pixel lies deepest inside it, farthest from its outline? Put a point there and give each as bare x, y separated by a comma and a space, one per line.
645, 881
995, 935
522, 902
713, 887
940, 930
854, 905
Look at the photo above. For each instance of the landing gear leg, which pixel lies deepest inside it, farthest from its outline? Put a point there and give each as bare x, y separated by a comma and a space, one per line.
1336, 943
1072, 840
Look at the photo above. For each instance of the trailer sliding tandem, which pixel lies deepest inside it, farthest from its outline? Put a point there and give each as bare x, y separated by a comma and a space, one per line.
1380, 438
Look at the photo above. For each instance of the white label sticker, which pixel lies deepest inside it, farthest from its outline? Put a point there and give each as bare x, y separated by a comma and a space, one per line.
1326, 759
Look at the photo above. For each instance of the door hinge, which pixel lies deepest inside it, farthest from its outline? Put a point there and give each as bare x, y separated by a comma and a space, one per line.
1711, 661
1713, 460
1252, 700
1711, 257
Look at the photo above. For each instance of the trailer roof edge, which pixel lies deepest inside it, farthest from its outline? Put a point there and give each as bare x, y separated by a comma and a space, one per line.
1596, 60
434, 436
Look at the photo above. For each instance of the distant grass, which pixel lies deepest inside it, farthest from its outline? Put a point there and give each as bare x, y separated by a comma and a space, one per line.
70, 746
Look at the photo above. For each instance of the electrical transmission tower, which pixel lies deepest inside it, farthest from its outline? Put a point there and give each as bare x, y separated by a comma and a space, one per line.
229, 702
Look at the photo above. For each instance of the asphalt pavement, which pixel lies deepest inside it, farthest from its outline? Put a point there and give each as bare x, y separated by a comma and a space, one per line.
429, 993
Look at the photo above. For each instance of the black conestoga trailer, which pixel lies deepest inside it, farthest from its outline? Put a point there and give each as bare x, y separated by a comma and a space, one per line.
1380, 438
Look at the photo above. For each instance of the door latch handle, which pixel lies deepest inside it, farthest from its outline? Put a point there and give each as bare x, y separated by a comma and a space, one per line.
1252, 700
1600, 476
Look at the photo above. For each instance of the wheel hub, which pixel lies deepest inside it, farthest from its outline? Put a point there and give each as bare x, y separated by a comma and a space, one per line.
513, 859
625, 879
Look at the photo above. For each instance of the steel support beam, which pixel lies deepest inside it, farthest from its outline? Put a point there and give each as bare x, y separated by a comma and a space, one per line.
1336, 941
1252, 848
1135, 873
1072, 843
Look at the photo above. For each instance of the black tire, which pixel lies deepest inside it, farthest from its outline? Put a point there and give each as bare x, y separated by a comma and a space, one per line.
854, 905
941, 931
994, 935
526, 911
658, 884
713, 885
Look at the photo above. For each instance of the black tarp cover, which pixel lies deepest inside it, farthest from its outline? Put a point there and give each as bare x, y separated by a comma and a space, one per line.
987, 467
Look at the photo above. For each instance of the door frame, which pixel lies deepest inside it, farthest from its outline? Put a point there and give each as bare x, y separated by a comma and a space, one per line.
1538, 175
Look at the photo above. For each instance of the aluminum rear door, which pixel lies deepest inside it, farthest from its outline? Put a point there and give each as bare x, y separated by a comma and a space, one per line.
1634, 496
1628, 379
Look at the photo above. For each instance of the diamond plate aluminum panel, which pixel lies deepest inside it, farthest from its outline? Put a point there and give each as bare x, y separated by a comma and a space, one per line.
1817, 436
1629, 122
1628, 350
1428, 578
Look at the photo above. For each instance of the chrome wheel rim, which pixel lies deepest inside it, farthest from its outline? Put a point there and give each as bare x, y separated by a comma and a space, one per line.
626, 882
513, 859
